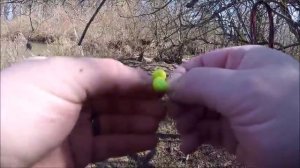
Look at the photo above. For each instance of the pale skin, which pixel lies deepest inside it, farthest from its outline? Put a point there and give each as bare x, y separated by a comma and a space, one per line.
46, 107
245, 99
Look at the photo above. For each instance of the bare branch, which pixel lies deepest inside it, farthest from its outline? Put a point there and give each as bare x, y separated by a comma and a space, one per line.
90, 21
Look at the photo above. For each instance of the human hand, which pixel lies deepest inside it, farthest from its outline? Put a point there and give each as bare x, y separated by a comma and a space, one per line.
43, 101
245, 99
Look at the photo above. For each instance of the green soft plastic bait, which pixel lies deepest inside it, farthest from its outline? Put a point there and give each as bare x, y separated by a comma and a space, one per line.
159, 73
159, 83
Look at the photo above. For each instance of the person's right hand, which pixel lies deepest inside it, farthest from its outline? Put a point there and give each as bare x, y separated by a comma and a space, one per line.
245, 99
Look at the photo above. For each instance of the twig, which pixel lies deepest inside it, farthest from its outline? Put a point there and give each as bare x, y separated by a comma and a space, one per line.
90, 21
151, 13
253, 23
30, 18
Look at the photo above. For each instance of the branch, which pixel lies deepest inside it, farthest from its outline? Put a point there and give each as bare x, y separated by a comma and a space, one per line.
151, 13
90, 22
253, 23
289, 46
213, 16
8, 1
191, 4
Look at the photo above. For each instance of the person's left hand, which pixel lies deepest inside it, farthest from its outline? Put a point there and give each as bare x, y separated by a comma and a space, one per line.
46, 108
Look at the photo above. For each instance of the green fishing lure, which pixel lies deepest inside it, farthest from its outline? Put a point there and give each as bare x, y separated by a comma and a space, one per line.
159, 83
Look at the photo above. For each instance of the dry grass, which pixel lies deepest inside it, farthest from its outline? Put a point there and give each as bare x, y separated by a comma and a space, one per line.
60, 30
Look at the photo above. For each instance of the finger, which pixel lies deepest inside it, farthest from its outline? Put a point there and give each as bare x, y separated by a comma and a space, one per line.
209, 114
119, 145
173, 109
209, 132
229, 140
208, 75
59, 157
190, 142
122, 124
81, 139
222, 58
107, 105
186, 122
243, 157
176, 74
229, 58
205, 87
235, 57
75, 79
106, 76
154, 108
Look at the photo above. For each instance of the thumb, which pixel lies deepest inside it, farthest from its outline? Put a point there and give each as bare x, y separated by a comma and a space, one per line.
205, 86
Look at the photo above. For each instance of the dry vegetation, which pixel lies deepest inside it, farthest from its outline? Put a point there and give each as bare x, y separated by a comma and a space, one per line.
162, 33
165, 30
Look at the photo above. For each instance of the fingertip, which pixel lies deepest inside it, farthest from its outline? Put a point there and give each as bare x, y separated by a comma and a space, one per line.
123, 80
194, 62
146, 78
138, 85
174, 78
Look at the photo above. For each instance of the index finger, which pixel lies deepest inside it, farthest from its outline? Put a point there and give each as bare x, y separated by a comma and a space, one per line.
239, 57
101, 77
221, 58
76, 79
226, 58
